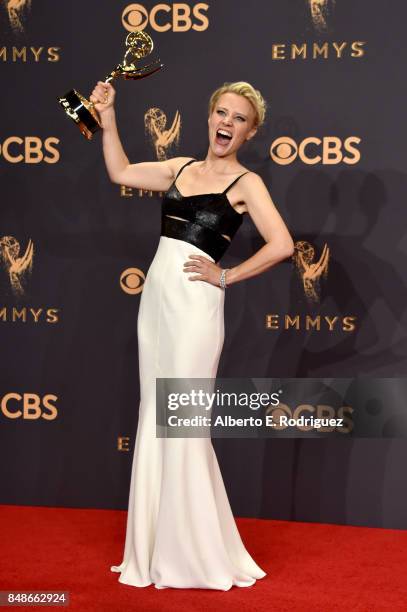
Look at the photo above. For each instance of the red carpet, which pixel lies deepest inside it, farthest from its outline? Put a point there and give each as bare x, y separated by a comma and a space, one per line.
311, 567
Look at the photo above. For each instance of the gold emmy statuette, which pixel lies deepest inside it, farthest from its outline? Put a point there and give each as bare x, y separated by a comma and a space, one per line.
82, 112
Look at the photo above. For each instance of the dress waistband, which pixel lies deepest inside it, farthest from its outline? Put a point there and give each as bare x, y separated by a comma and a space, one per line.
204, 238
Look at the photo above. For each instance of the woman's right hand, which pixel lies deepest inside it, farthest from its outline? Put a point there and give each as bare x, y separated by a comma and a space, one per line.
103, 97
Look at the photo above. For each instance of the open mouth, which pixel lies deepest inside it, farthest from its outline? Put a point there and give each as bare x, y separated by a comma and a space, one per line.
223, 137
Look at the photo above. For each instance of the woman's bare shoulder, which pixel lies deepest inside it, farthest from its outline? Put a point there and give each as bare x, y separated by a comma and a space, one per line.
176, 163
250, 177
249, 171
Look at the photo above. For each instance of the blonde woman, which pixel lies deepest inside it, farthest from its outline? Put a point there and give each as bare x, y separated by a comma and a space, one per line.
181, 532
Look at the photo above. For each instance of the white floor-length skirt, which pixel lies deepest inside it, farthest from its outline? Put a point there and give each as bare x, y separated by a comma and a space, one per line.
180, 528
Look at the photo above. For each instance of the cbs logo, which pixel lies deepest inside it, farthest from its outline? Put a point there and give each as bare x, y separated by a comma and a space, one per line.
320, 411
311, 151
178, 17
132, 281
29, 406
30, 150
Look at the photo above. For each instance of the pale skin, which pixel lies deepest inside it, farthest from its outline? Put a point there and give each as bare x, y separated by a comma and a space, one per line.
235, 114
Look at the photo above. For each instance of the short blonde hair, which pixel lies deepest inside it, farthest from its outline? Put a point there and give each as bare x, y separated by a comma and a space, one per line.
242, 88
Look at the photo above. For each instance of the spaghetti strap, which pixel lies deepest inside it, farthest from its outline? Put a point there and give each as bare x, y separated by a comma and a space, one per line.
235, 181
182, 167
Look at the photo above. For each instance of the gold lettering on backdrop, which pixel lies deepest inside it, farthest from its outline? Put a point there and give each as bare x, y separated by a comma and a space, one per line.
128, 192
32, 406
327, 412
52, 410
19, 54
301, 150
52, 315
155, 122
33, 150
37, 53
315, 51
25, 54
24, 314
348, 147
315, 323
339, 48
331, 322
4, 407
36, 314
165, 17
160, 8
17, 267
284, 150
331, 152
277, 51
319, 411
272, 321
292, 322
349, 323
13, 159
299, 51
19, 314
320, 50
123, 443
357, 47
29, 406
53, 55
54, 157
197, 12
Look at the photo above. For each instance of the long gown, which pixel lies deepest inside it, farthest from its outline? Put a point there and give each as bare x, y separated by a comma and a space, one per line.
180, 531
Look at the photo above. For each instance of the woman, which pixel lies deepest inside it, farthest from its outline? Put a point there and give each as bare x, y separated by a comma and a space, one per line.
180, 528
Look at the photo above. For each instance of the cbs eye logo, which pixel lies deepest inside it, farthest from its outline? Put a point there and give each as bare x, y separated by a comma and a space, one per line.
178, 17
312, 150
132, 281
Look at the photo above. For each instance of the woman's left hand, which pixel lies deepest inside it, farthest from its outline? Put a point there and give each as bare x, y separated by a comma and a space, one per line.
207, 269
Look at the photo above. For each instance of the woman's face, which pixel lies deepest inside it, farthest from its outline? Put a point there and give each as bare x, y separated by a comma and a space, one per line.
234, 115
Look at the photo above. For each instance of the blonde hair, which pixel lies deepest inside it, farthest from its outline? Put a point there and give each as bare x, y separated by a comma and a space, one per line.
242, 88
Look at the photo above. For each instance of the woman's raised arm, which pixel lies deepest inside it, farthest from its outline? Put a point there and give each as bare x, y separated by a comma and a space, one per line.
155, 176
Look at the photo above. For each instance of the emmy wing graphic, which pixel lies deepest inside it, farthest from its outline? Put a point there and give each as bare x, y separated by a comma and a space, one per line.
17, 10
320, 12
155, 121
17, 267
310, 271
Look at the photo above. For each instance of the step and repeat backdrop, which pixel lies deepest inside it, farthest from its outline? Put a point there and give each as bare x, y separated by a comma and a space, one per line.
75, 248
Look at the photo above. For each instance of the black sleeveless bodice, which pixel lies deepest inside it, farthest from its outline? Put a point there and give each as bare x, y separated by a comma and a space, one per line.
207, 216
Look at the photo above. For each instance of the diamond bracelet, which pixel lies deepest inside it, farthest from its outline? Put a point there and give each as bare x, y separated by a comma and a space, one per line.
222, 281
